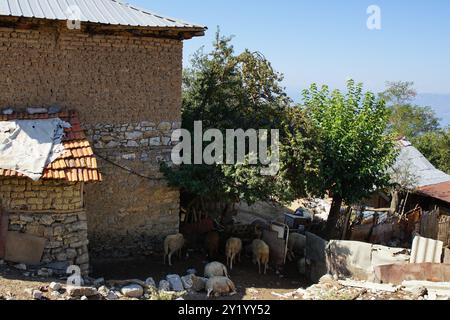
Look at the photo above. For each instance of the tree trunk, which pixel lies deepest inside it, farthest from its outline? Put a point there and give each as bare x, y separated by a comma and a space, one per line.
333, 217
394, 202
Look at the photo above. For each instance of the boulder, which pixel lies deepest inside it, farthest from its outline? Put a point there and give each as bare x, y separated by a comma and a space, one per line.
164, 285
75, 291
175, 282
132, 291
150, 282
20, 266
55, 286
187, 282
103, 291
36, 294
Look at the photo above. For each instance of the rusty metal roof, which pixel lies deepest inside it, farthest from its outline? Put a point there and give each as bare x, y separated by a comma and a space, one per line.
439, 191
113, 12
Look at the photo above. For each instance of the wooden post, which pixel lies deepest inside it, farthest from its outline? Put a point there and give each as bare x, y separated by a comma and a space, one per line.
4, 221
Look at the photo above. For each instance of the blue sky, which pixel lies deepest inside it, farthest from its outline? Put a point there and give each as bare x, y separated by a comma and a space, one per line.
327, 41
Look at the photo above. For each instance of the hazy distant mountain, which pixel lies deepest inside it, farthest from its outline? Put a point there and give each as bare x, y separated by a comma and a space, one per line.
439, 102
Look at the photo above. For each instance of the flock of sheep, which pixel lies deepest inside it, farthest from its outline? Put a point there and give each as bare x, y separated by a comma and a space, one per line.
218, 280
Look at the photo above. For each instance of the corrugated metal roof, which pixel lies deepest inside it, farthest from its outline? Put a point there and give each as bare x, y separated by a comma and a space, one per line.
439, 191
421, 170
112, 12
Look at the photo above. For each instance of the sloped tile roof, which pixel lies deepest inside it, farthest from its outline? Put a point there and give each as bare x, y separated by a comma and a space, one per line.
78, 163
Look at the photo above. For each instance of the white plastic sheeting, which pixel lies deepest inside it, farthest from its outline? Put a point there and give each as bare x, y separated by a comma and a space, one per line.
28, 146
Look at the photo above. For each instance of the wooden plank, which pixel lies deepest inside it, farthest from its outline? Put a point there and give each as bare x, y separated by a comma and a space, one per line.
4, 221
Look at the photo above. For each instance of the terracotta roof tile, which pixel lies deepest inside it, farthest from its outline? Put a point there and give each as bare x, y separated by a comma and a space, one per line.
77, 163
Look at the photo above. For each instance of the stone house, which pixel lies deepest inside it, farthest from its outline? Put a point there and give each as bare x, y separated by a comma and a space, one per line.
119, 69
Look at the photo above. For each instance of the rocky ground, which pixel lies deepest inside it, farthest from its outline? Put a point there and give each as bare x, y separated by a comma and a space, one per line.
16, 283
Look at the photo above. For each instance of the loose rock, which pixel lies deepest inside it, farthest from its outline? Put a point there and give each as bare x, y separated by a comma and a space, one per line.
187, 282
20, 266
150, 282
54, 286
36, 294
133, 291
164, 285
74, 291
175, 282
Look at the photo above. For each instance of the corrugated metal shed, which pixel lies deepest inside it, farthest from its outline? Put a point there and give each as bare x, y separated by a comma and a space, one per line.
421, 170
113, 12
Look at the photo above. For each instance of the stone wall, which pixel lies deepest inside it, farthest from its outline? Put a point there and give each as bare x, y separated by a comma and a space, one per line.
66, 236
52, 210
25, 194
127, 92
141, 209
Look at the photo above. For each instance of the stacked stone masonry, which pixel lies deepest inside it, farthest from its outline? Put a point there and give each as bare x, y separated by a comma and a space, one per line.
127, 93
50, 210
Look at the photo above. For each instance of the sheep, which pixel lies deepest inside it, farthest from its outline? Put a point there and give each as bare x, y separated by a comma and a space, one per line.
198, 283
261, 253
220, 286
233, 248
173, 244
215, 269
212, 244
296, 243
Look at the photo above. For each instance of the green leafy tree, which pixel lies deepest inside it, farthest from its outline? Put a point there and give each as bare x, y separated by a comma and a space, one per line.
435, 146
353, 152
412, 121
406, 119
398, 93
226, 90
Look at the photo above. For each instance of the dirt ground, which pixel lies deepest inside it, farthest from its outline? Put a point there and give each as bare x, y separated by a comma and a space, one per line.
250, 285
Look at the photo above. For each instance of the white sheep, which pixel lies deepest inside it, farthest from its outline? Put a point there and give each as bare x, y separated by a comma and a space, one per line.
215, 269
220, 286
296, 244
173, 244
233, 248
261, 253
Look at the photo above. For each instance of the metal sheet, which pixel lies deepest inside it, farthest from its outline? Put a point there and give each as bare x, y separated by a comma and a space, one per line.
113, 12
420, 170
426, 250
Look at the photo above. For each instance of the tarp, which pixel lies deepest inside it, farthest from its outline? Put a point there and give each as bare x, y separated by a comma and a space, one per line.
28, 146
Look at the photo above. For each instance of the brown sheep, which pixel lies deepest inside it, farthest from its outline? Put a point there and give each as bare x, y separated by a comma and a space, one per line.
233, 248
173, 244
261, 253
212, 244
